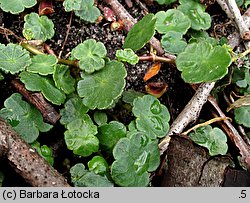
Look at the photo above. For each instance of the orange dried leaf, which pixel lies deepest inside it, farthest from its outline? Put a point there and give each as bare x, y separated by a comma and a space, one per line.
45, 7
156, 89
153, 70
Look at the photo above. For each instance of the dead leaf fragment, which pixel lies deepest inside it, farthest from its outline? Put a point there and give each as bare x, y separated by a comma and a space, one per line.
243, 101
156, 89
153, 70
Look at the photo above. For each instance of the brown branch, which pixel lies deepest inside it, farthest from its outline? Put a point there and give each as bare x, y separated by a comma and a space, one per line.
234, 136
154, 58
26, 161
48, 112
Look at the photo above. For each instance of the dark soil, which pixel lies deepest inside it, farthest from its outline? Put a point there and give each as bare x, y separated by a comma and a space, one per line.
177, 96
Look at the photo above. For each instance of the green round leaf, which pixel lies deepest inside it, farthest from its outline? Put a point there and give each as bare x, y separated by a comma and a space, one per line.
101, 89
72, 5
99, 165
242, 115
172, 20
44, 151
100, 117
80, 177
16, 6
200, 20
200, 62
134, 157
80, 136
127, 55
73, 109
24, 118
173, 42
88, 11
91, 55
35, 82
109, 135
151, 116
1, 76
141, 33
38, 27
13, 58
129, 96
42, 64
166, 2
63, 80
213, 139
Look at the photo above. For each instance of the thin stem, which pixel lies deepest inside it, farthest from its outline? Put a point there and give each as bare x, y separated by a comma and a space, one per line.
205, 124
156, 58
30, 48
67, 34
35, 51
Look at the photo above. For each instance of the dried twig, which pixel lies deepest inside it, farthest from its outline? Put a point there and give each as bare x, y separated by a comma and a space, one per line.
156, 58
26, 161
67, 35
243, 29
48, 112
189, 114
231, 9
234, 135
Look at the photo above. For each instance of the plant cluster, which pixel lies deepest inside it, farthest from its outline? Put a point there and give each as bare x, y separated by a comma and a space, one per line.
118, 154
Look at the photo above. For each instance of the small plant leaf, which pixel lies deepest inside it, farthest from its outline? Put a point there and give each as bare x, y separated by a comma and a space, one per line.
141, 33
88, 11
200, 20
73, 109
1, 76
151, 116
24, 118
80, 136
242, 79
91, 55
101, 89
135, 156
242, 115
13, 58
127, 55
81, 177
35, 82
63, 80
166, 2
16, 6
100, 118
213, 139
42, 64
38, 27
199, 36
44, 151
200, 62
172, 20
173, 42
109, 134
98, 165
72, 5
129, 96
